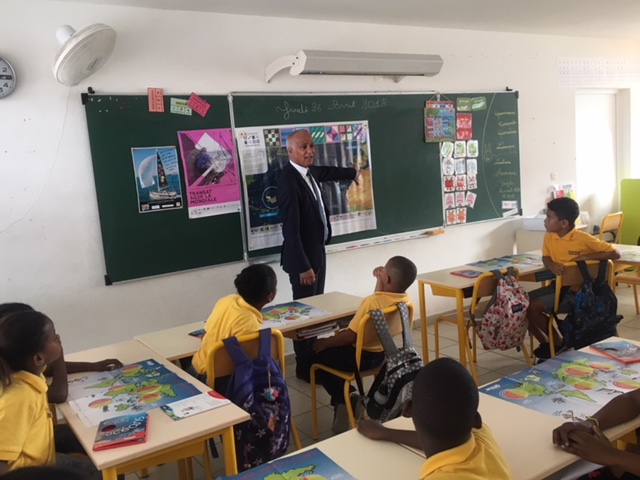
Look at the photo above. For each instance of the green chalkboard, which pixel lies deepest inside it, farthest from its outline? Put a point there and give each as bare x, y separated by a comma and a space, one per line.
138, 244
494, 124
405, 171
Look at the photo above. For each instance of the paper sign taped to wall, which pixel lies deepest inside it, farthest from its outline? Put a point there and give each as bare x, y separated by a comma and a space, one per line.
179, 106
198, 104
156, 99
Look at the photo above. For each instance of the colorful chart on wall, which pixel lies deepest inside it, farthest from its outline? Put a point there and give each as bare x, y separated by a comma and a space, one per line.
157, 178
134, 388
211, 170
572, 386
477, 170
262, 151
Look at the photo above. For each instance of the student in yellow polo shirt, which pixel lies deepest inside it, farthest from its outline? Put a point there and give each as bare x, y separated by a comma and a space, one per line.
563, 243
392, 282
28, 343
236, 315
449, 429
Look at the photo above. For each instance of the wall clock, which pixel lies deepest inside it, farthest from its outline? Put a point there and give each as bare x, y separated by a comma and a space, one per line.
7, 78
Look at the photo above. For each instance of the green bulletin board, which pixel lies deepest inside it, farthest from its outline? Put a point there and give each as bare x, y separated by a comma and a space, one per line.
138, 245
407, 172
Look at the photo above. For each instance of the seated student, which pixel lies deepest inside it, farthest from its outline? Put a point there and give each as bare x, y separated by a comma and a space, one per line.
28, 343
449, 430
66, 441
338, 351
563, 243
236, 315
586, 440
58, 370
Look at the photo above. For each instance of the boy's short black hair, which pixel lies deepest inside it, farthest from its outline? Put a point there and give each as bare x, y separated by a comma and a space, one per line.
565, 209
404, 272
444, 401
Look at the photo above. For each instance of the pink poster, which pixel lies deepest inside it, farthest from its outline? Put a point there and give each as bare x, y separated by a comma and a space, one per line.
211, 172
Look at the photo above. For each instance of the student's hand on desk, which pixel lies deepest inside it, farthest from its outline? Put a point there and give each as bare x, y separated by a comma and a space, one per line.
593, 447
561, 434
107, 364
557, 269
308, 277
372, 429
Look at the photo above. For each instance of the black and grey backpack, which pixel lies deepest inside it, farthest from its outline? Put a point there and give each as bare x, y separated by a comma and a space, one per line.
393, 385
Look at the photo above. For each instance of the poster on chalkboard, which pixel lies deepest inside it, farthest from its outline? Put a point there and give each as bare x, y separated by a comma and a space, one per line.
262, 152
211, 171
157, 178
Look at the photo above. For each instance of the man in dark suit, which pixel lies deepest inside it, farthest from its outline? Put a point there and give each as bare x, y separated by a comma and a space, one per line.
305, 215
305, 222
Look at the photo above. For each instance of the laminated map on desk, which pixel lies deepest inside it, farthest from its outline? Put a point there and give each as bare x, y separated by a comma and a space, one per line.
132, 389
517, 260
572, 386
284, 313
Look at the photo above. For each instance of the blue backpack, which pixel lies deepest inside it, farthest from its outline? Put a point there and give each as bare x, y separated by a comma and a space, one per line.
593, 315
258, 387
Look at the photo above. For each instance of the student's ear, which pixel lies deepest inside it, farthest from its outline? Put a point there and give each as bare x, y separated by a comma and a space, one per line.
38, 360
477, 422
407, 409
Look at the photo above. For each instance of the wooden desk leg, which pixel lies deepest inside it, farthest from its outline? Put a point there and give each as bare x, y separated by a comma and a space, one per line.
462, 328
229, 447
109, 474
423, 322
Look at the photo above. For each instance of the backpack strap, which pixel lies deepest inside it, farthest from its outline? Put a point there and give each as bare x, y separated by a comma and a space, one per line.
380, 322
235, 351
602, 271
406, 324
265, 343
586, 276
497, 273
511, 272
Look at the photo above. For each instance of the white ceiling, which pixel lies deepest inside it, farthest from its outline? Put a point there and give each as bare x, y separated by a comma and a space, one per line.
588, 18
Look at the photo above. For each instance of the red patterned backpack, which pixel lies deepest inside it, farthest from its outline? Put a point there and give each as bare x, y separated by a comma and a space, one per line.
504, 324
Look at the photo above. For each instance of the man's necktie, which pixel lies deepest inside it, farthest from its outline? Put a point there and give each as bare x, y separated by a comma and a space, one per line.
323, 216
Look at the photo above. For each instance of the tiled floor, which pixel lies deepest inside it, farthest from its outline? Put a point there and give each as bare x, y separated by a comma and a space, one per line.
491, 366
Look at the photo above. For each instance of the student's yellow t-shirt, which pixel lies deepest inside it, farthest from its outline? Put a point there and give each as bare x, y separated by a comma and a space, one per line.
374, 302
572, 245
26, 428
231, 317
479, 458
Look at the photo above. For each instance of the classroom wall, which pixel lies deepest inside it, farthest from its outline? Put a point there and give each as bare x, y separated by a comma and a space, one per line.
50, 245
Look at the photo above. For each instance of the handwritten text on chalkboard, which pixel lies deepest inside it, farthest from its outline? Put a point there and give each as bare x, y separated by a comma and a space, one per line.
292, 110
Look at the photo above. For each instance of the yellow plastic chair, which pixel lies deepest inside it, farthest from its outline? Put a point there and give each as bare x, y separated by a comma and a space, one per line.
572, 278
483, 289
632, 279
220, 364
366, 327
612, 224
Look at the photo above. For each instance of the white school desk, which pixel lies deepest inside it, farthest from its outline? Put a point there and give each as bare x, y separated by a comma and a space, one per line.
168, 440
444, 284
525, 435
176, 343
367, 459
629, 255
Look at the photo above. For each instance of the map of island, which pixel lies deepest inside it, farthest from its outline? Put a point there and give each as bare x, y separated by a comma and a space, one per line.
572, 386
